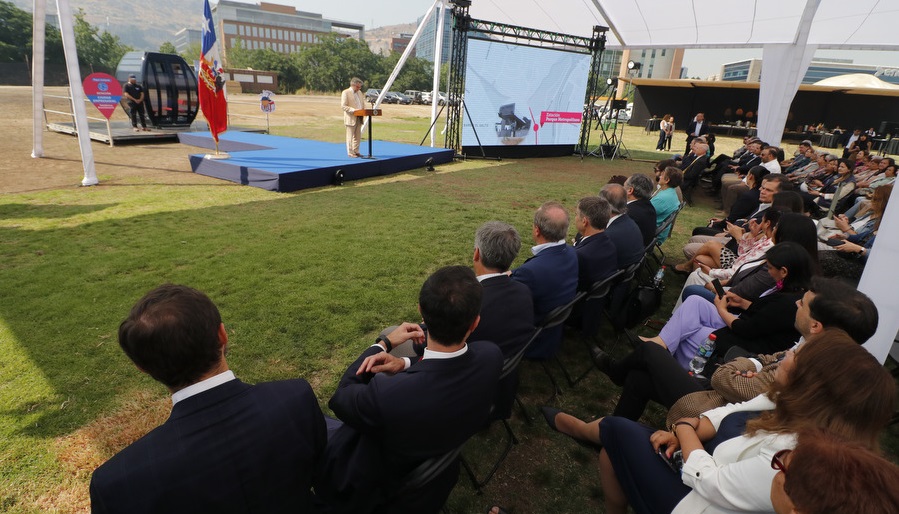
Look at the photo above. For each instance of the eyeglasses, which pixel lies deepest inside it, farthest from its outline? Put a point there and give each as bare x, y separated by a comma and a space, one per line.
777, 461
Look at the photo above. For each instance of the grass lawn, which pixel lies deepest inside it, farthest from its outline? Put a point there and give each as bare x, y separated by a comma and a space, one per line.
304, 282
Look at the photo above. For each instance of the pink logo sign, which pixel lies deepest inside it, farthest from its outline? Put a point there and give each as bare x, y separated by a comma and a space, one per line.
104, 91
559, 117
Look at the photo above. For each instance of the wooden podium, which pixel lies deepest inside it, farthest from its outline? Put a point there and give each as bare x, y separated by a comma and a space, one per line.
369, 113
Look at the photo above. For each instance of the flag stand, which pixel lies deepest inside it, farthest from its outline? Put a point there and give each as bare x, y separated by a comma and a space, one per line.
217, 155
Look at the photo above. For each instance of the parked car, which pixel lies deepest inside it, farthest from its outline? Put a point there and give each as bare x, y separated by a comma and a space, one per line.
415, 96
371, 95
426, 97
399, 98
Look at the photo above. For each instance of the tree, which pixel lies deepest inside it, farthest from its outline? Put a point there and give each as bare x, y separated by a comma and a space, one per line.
167, 48
15, 36
330, 64
96, 49
416, 74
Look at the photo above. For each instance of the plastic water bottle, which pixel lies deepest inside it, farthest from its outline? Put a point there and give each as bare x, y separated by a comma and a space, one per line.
657, 279
702, 355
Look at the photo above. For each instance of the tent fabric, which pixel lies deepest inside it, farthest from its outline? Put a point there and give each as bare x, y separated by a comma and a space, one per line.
856, 81
863, 24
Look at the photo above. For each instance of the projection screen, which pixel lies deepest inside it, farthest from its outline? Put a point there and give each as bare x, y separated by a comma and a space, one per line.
523, 100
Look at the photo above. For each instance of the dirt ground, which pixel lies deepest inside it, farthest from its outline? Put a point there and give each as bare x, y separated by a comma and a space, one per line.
163, 163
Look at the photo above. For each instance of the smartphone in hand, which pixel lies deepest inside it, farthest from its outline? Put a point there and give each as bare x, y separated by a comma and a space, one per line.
834, 242
675, 462
719, 290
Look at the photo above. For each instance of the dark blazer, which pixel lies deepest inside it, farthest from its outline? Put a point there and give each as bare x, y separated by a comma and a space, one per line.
392, 423
235, 448
693, 166
628, 240
644, 215
767, 326
552, 278
747, 203
507, 319
691, 129
597, 258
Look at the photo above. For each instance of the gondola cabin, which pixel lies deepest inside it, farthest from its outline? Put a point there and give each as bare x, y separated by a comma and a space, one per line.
170, 85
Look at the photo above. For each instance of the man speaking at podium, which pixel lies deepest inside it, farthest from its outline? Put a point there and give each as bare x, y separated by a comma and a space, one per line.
350, 101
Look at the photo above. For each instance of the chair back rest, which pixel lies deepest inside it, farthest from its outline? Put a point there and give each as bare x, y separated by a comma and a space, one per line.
558, 315
427, 471
668, 225
601, 288
511, 364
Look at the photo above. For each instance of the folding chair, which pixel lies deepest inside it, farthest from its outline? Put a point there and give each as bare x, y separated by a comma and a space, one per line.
425, 472
555, 318
509, 366
667, 224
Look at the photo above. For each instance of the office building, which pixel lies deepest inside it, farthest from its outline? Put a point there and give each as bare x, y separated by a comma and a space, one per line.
281, 28
184, 38
400, 42
655, 63
750, 70
425, 46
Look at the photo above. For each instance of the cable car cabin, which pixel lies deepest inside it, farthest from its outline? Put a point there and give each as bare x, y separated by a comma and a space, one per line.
170, 85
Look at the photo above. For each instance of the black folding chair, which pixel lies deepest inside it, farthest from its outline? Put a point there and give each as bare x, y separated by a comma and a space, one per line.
510, 365
667, 224
426, 472
555, 318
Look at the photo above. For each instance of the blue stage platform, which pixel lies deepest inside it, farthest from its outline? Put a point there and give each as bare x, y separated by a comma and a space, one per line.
285, 164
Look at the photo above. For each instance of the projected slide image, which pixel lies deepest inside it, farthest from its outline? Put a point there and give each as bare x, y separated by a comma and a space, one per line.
519, 95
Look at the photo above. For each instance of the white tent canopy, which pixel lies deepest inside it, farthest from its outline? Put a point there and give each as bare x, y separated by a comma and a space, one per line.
789, 32
834, 24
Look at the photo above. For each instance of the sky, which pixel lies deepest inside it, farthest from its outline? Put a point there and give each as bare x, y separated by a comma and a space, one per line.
699, 63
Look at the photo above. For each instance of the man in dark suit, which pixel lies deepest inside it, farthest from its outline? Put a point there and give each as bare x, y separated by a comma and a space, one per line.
507, 309
228, 446
639, 190
621, 229
597, 257
394, 420
693, 164
697, 127
551, 274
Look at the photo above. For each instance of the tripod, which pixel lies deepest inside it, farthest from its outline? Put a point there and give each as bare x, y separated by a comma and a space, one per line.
610, 143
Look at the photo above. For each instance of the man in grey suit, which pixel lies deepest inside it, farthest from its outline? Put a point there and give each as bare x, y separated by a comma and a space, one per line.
227, 446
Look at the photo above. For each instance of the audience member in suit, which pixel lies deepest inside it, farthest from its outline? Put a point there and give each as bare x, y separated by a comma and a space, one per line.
621, 228
697, 127
394, 419
730, 191
227, 446
507, 310
639, 190
752, 157
551, 274
596, 254
693, 164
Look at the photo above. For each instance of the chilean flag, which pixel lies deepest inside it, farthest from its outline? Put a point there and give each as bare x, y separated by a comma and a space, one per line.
212, 80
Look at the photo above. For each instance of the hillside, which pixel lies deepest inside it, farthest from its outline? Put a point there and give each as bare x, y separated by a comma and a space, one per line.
159, 23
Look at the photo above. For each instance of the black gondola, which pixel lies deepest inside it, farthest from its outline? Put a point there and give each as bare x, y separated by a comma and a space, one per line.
170, 85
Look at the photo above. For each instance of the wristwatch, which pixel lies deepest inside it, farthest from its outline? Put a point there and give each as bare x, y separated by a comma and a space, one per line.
386, 341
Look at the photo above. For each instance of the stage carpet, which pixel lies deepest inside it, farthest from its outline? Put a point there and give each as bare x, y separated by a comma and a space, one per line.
286, 164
